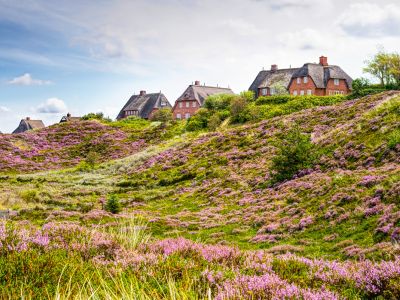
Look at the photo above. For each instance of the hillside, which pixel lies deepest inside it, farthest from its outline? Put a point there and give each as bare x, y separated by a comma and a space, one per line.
216, 188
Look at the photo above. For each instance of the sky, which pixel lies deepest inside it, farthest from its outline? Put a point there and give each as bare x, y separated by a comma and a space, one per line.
90, 56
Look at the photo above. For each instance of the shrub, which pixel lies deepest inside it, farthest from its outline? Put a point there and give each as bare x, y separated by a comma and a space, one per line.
218, 102
30, 195
162, 115
239, 110
199, 120
96, 116
295, 152
214, 122
113, 205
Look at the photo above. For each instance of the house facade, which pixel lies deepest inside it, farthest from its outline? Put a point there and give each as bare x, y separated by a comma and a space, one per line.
268, 81
320, 79
311, 79
143, 105
28, 124
193, 98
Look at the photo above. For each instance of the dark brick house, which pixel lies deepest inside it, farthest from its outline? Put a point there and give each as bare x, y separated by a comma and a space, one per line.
320, 79
143, 105
193, 98
28, 124
266, 80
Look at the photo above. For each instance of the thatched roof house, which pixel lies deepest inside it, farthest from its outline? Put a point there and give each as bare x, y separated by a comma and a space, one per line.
143, 105
28, 124
263, 84
69, 118
193, 98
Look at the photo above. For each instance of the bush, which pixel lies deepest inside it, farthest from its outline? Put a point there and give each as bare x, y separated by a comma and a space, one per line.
296, 152
218, 102
96, 116
239, 110
30, 196
162, 115
199, 120
214, 122
113, 205
315, 100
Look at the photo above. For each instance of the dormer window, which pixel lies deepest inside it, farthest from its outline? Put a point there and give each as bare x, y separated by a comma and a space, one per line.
263, 91
305, 79
336, 81
298, 80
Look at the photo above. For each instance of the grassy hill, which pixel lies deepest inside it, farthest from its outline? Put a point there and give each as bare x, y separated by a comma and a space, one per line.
209, 219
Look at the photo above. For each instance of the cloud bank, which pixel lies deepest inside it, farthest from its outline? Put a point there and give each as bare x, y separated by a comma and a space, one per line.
52, 106
27, 80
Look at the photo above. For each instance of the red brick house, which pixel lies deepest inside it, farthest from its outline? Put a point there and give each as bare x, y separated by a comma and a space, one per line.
193, 98
266, 80
320, 79
143, 105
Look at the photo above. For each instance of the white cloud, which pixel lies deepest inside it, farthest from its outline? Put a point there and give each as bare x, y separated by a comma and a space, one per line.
27, 79
4, 109
52, 106
371, 20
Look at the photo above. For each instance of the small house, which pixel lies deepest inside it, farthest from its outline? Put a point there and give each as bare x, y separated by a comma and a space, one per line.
320, 79
69, 118
28, 124
193, 98
268, 81
144, 105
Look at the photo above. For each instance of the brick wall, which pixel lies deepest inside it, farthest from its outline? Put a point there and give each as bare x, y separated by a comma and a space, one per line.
309, 85
191, 110
331, 88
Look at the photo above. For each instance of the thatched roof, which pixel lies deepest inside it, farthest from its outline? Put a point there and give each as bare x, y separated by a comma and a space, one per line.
267, 78
28, 124
201, 92
69, 118
144, 104
321, 74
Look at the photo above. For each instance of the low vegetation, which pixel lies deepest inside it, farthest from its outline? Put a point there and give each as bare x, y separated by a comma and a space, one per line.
298, 202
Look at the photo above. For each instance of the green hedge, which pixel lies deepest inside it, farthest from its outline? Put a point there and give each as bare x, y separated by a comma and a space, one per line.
316, 100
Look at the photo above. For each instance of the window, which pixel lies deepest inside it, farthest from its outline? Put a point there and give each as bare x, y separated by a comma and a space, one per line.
263, 91
194, 104
180, 104
298, 80
302, 92
309, 92
336, 81
187, 116
178, 116
163, 103
187, 104
305, 79
272, 91
295, 93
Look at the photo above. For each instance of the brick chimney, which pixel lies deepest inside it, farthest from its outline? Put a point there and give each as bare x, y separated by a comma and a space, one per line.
197, 82
28, 118
142, 93
274, 68
323, 61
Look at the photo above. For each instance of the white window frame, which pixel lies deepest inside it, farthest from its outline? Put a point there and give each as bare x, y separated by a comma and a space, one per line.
187, 116
180, 104
298, 80
309, 92
302, 93
272, 91
187, 104
305, 79
264, 92
336, 81
194, 104
295, 93
178, 116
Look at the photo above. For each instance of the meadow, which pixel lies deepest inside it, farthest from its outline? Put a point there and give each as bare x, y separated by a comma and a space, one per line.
207, 214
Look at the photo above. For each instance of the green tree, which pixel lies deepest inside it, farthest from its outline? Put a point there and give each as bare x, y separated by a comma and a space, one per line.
379, 66
359, 85
279, 88
296, 152
394, 68
214, 122
113, 205
239, 110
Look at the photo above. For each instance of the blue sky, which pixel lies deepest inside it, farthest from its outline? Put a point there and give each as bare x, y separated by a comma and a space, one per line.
83, 56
